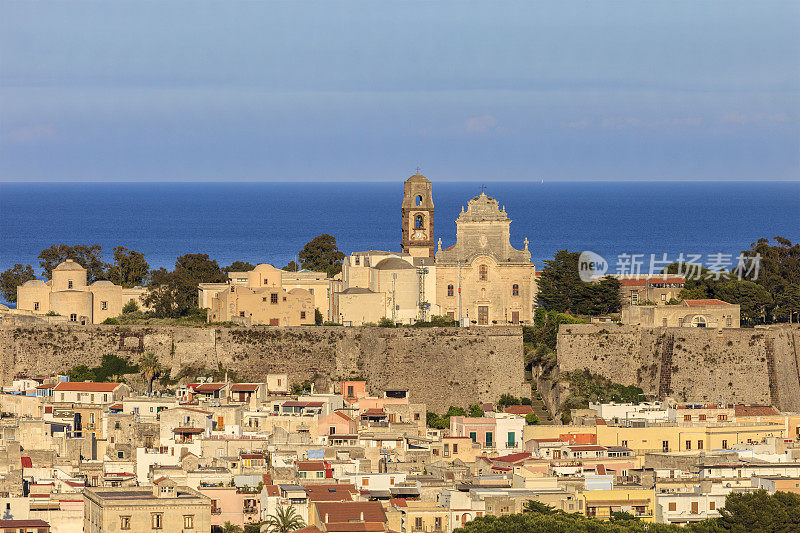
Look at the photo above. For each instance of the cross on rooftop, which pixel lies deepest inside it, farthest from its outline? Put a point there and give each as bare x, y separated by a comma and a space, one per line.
483, 188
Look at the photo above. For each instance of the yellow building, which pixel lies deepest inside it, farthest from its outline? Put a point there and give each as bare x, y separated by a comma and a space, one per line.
603, 503
164, 506
68, 294
257, 297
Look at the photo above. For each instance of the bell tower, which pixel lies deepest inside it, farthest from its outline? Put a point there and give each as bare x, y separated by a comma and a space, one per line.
417, 214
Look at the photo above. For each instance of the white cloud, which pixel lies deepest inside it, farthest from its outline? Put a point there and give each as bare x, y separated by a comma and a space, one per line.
39, 132
483, 124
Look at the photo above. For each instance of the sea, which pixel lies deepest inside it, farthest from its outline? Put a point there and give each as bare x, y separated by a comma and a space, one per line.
270, 222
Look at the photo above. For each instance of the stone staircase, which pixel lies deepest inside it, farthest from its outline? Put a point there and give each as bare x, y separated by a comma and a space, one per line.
665, 379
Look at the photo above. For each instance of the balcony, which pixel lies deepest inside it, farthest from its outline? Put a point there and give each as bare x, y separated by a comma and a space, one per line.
250, 510
216, 510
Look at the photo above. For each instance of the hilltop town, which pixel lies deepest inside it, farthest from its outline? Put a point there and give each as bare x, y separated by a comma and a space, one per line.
421, 390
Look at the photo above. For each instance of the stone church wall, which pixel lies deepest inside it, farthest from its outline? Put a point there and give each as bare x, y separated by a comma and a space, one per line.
440, 366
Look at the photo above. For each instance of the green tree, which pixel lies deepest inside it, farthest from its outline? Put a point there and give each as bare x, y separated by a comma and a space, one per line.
284, 520
129, 268
531, 419
81, 373
535, 506
506, 400
166, 295
755, 511
322, 255
476, 411
561, 289
193, 269
318, 318
386, 322
292, 266
130, 307
13, 278
89, 257
787, 303
238, 266
113, 367
753, 299
150, 368
227, 527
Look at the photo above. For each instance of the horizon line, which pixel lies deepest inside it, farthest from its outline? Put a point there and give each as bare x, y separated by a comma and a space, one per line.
395, 180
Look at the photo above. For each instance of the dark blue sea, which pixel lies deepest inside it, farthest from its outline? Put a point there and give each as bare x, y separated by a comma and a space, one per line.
270, 222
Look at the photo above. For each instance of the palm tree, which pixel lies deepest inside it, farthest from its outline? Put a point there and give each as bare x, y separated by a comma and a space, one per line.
150, 368
284, 520
231, 528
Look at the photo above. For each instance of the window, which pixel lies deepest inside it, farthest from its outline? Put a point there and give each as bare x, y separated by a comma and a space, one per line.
418, 523
722, 418
663, 297
73, 317
35, 306
687, 418
391, 481
241, 314
688, 445
727, 324
695, 508
515, 290
350, 391
320, 474
665, 445
69, 284
634, 297
188, 521
104, 306
358, 261
472, 435
273, 298
724, 444
512, 439
455, 448
702, 418
483, 273
264, 299
664, 322
437, 523
119, 455
124, 522
419, 222
712, 505
233, 289
699, 444
156, 520
450, 290
365, 482
489, 438
302, 315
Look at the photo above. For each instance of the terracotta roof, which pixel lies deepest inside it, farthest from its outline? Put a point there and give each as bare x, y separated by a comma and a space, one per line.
206, 387
628, 282
192, 409
86, 386
47, 386
115, 406
244, 387
587, 448
296, 403
26, 462
310, 466
330, 492
23, 523
344, 512
601, 469
373, 412
308, 529
342, 415
650, 281
706, 301
252, 456
355, 526
272, 490
193, 431
514, 457
755, 410
519, 409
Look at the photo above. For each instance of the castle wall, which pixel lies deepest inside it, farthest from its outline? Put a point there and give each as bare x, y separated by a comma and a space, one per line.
690, 364
439, 366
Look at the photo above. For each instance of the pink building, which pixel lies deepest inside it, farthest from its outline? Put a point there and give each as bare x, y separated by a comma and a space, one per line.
337, 423
482, 430
233, 504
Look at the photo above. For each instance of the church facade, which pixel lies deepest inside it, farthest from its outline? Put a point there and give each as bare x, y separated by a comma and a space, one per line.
480, 280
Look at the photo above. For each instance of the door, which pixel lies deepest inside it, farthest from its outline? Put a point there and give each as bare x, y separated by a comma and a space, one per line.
515, 317
273, 321
483, 315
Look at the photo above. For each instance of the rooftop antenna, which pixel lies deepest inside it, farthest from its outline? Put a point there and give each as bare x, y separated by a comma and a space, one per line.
483, 189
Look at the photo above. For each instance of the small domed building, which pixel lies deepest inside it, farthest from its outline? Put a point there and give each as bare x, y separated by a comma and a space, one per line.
68, 294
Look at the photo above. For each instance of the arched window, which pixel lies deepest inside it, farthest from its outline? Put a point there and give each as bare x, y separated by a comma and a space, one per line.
450, 290
419, 222
483, 273
515, 290
419, 200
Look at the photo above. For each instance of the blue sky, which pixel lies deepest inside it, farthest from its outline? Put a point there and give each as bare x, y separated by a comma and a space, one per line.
369, 90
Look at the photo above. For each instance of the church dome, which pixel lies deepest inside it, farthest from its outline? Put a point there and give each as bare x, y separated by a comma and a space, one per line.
393, 263
418, 177
69, 264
